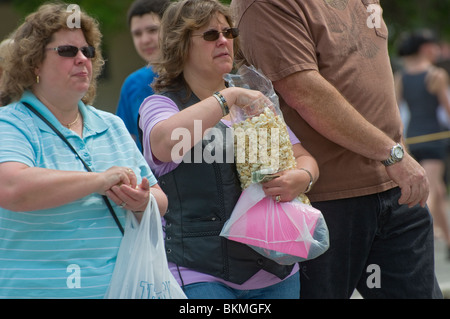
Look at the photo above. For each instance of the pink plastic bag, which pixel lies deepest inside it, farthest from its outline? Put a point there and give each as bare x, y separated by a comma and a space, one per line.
286, 232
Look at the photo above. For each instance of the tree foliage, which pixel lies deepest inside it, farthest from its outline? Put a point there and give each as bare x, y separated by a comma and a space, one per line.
110, 13
400, 15
407, 15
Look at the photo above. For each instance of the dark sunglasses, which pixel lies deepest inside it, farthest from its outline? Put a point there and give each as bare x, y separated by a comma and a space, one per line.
213, 35
70, 51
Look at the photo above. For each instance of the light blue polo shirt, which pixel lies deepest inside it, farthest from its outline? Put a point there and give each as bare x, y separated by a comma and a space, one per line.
69, 251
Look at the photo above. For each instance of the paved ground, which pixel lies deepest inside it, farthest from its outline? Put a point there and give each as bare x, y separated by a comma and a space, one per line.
442, 262
442, 268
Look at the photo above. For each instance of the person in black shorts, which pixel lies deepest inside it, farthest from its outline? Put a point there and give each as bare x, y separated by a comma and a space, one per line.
423, 87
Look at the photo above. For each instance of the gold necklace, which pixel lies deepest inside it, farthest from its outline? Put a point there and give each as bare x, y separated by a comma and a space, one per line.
74, 122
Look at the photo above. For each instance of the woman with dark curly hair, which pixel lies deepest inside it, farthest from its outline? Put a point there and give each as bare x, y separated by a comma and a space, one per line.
198, 41
59, 237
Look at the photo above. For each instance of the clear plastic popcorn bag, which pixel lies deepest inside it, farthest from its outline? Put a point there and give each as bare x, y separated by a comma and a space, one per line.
286, 232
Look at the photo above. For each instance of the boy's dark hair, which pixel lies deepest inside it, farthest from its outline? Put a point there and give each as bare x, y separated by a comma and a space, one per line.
141, 7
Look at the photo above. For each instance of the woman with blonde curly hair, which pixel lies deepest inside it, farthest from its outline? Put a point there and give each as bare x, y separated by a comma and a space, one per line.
4, 47
34, 35
61, 213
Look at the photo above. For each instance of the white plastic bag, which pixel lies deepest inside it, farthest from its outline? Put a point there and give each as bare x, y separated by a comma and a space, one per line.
141, 270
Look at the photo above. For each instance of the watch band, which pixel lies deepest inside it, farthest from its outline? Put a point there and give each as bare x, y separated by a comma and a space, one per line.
393, 158
389, 161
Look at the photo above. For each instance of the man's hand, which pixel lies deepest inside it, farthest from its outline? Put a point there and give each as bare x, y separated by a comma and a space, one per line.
412, 180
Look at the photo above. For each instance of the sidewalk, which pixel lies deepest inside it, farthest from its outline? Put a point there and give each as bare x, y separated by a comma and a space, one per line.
442, 265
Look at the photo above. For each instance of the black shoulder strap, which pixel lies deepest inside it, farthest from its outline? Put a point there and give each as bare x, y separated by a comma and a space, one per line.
108, 204
140, 132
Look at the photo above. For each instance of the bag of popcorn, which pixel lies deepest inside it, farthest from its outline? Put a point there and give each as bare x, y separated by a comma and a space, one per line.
262, 146
287, 232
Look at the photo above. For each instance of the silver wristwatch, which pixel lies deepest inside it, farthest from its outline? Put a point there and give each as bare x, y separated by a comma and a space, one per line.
397, 153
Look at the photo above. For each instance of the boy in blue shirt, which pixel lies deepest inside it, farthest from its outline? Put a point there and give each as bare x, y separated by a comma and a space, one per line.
144, 18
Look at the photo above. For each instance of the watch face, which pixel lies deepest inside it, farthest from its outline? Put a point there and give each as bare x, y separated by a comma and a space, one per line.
398, 152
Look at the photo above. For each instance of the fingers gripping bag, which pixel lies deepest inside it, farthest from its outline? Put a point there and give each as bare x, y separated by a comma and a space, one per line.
141, 270
286, 232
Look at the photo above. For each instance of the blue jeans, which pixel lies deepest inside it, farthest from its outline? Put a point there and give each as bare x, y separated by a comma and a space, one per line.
381, 248
287, 289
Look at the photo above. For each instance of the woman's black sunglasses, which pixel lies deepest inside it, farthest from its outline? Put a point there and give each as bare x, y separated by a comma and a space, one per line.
70, 51
213, 35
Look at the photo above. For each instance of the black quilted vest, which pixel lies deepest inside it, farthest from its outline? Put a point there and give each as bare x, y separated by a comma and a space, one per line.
201, 198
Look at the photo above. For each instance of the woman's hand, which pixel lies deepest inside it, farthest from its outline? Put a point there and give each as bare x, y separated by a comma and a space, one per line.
291, 183
244, 98
121, 187
117, 176
129, 197
288, 185
136, 198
